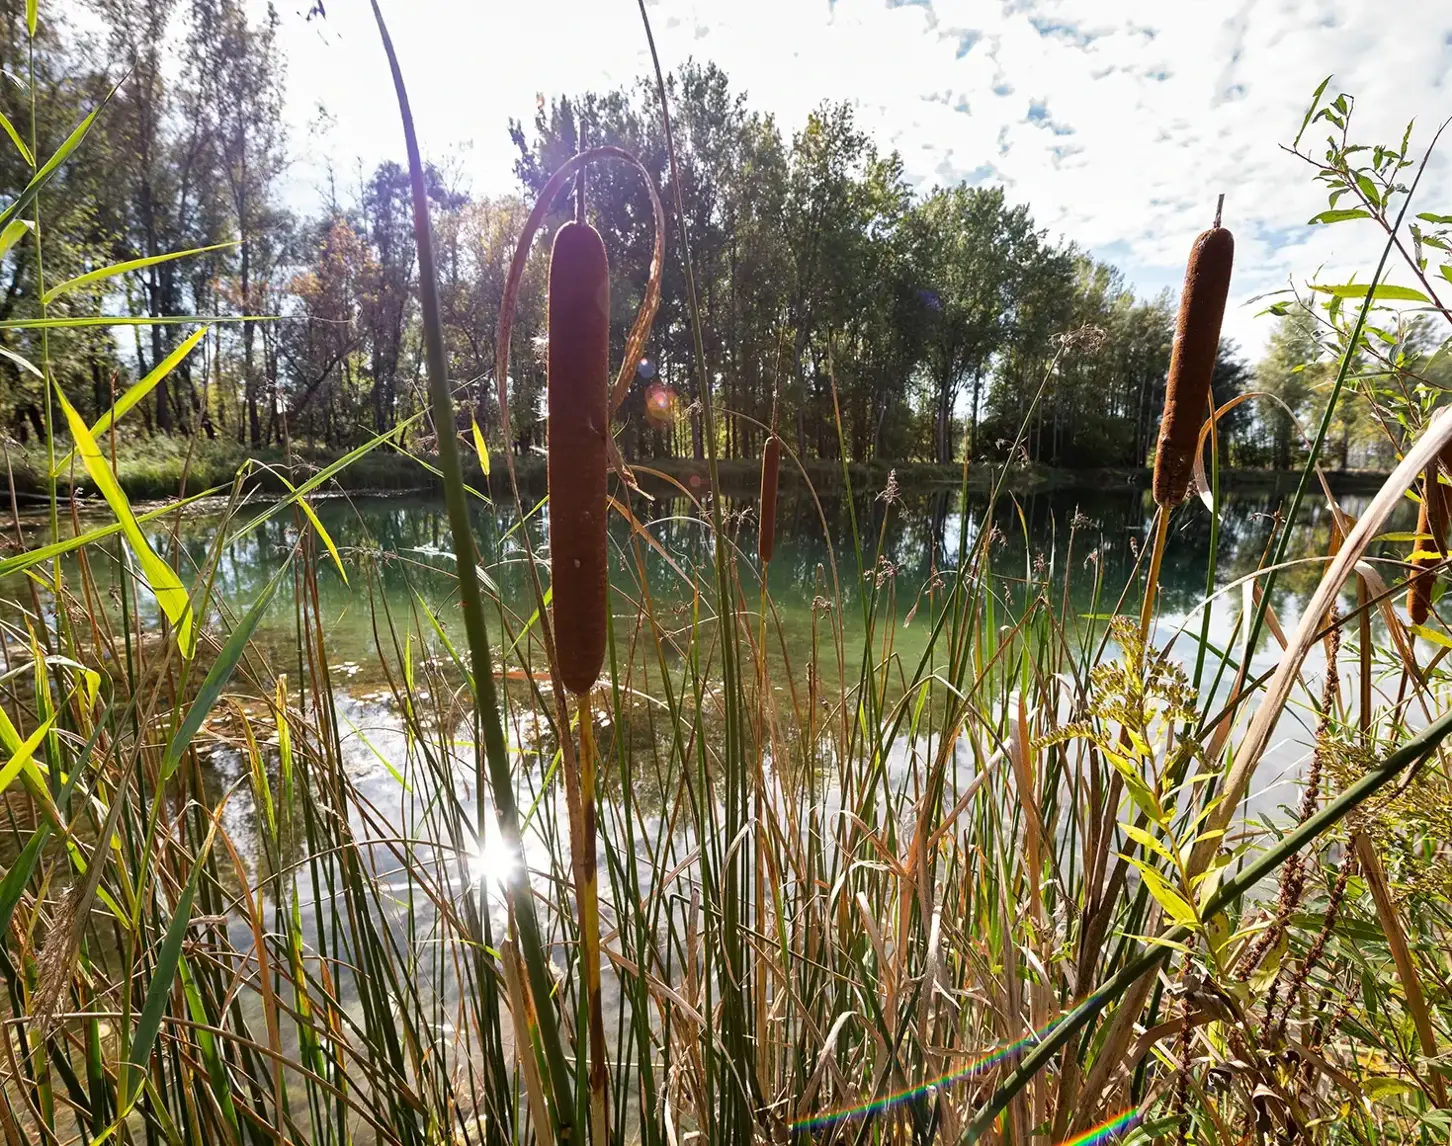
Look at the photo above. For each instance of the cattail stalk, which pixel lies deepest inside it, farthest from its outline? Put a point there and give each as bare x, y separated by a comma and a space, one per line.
1192, 361
579, 411
1187, 390
770, 474
579, 381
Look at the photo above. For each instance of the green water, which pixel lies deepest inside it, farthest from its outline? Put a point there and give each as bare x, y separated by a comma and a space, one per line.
397, 553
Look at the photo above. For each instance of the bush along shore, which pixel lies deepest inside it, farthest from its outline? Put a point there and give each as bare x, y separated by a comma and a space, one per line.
148, 470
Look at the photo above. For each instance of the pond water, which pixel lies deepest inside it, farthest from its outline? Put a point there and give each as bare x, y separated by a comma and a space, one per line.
398, 554
405, 540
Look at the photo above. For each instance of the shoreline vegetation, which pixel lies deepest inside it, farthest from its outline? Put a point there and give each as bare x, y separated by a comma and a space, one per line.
148, 475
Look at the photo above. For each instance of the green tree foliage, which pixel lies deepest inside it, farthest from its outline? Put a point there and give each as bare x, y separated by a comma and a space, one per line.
927, 324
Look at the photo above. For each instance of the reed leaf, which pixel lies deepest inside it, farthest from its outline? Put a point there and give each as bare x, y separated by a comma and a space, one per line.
161, 578
456, 499
219, 674
101, 274
1410, 754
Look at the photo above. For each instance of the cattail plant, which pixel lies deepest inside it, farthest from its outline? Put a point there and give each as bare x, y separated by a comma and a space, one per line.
580, 398
1192, 365
1192, 361
579, 386
770, 473
1431, 546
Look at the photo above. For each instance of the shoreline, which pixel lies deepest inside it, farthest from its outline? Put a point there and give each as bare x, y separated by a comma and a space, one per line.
385, 473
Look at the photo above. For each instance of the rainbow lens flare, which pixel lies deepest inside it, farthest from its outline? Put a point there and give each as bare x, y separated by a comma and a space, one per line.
1108, 1130
660, 405
1002, 1054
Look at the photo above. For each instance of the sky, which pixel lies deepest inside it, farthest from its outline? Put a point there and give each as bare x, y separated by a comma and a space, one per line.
1117, 121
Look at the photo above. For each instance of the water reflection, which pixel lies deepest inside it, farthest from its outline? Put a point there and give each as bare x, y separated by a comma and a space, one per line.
398, 551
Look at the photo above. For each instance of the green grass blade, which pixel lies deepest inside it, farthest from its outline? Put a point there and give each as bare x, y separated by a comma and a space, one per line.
166, 586
12, 887
218, 675
158, 991
501, 780
103, 273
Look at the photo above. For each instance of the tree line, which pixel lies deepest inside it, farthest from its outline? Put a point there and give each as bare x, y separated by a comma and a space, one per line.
838, 304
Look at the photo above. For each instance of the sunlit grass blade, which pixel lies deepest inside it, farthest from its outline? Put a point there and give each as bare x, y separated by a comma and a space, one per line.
1413, 752
323, 534
22, 755
86, 321
219, 673
14, 231
103, 273
319, 479
44, 553
165, 585
15, 139
480, 446
21, 361
43, 176
137, 392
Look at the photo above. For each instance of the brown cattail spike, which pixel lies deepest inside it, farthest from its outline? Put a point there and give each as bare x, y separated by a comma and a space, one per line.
1431, 548
579, 422
1192, 362
770, 472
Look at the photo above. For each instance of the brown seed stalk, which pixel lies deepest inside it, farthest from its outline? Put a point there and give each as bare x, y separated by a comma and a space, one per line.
579, 428
1192, 361
770, 473
1431, 547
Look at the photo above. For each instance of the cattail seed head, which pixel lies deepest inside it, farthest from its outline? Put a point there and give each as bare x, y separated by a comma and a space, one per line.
1192, 362
770, 472
579, 424
1432, 521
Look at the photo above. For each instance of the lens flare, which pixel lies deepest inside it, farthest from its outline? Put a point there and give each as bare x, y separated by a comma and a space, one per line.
1108, 1130
994, 1058
660, 405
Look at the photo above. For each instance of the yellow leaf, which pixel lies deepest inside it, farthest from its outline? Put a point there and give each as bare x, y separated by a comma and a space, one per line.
12, 234
165, 585
138, 392
1432, 635
481, 447
21, 757
318, 525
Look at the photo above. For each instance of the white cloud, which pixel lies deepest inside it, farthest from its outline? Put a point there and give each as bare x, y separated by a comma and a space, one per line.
1117, 121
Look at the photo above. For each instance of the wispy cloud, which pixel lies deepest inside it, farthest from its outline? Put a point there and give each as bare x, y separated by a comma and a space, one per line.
1118, 121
